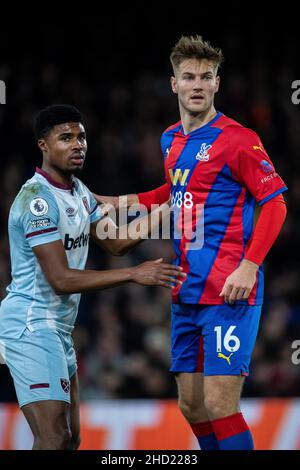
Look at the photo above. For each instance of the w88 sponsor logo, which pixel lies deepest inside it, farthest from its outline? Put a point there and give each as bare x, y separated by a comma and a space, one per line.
180, 199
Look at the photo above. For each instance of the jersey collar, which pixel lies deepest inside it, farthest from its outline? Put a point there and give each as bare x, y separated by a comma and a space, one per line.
202, 128
50, 180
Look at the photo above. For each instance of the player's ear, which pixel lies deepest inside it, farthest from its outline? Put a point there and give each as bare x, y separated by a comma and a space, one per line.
217, 84
174, 85
42, 145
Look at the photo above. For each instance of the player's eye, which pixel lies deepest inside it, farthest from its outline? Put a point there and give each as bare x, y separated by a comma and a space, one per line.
65, 138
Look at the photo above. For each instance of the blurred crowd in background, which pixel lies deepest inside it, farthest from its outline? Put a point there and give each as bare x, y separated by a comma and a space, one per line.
117, 73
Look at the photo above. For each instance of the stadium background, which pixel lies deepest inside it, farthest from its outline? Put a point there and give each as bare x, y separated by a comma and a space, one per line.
115, 69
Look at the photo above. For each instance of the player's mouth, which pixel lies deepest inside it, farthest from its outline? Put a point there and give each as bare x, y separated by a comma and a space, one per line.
197, 98
77, 158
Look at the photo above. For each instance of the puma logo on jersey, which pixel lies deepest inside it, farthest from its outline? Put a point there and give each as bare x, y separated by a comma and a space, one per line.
178, 176
73, 243
227, 358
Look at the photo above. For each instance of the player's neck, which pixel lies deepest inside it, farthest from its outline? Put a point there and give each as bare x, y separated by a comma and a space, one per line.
192, 122
57, 175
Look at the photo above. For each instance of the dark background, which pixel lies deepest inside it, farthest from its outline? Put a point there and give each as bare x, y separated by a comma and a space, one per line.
115, 68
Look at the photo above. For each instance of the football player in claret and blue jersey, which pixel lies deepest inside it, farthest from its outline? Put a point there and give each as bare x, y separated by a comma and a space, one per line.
49, 225
217, 170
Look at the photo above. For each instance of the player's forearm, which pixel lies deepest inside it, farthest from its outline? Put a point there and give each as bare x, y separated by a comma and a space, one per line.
128, 200
148, 198
156, 196
267, 229
119, 202
118, 240
72, 281
134, 233
116, 202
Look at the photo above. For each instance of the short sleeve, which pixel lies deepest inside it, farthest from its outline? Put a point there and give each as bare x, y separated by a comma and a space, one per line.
252, 166
39, 216
95, 211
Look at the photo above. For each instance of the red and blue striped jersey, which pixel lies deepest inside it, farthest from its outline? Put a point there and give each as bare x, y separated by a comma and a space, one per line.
223, 168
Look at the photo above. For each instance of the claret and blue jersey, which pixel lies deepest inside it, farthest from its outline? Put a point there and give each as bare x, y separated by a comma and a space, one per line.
223, 168
45, 211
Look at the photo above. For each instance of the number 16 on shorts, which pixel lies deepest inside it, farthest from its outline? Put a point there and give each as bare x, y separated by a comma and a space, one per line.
230, 342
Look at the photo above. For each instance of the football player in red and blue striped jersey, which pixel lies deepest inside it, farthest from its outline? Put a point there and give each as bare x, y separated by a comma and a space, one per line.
216, 170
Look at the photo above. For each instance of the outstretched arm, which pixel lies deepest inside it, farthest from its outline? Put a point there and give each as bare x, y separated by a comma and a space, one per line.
156, 196
65, 280
119, 240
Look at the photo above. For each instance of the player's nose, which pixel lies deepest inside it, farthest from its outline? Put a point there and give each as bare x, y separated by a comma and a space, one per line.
77, 144
197, 84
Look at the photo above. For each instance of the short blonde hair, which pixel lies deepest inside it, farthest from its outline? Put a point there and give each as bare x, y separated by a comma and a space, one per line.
194, 47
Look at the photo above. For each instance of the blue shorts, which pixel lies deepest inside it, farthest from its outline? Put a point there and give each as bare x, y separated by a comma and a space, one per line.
41, 363
213, 339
